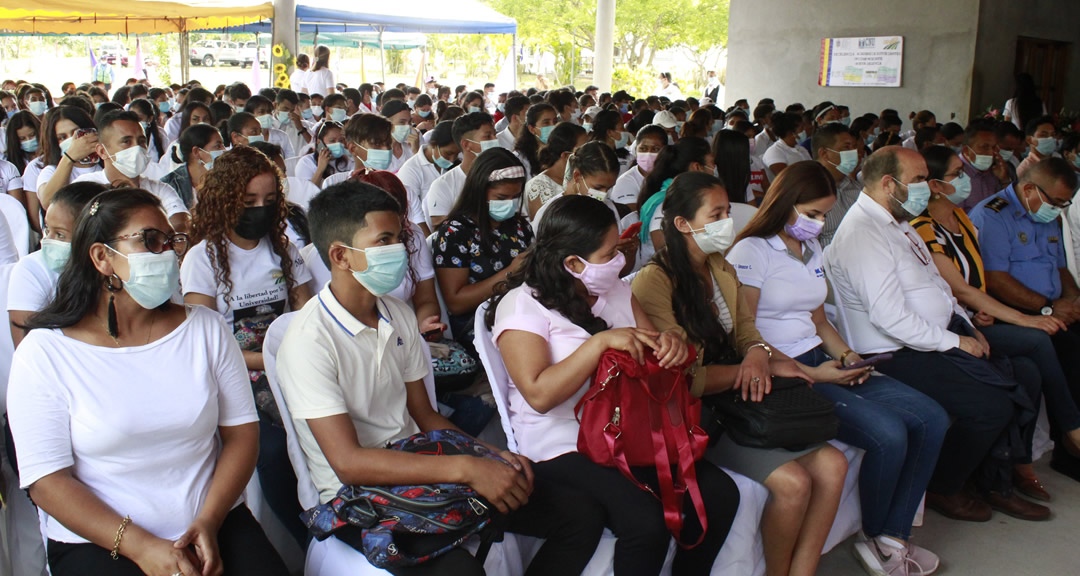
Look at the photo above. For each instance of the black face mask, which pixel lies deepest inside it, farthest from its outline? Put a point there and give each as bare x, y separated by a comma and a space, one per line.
256, 221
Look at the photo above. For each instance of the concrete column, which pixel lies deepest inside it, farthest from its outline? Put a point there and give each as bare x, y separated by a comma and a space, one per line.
285, 29
604, 45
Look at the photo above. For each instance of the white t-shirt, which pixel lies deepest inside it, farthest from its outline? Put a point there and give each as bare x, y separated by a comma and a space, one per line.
417, 174
300, 191
10, 178
32, 285
298, 80
330, 363
31, 175
77, 173
444, 192
791, 289
543, 210
138, 426
308, 163
170, 200
544, 436
258, 288
172, 127
416, 206
627, 187
506, 139
396, 162
420, 260
281, 139
319, 81
781, 153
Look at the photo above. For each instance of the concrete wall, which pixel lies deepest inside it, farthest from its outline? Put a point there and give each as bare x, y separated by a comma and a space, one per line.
1000, 23
774, 51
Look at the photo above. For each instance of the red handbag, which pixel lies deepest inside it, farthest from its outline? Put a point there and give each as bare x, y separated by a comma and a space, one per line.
644, 415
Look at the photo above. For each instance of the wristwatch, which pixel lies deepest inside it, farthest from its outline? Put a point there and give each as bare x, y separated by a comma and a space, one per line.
1048, 308
761, 345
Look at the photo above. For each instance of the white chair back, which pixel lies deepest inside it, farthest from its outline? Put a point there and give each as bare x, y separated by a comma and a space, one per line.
741, 214
1071, 238
496, 373
15, 216
445, 316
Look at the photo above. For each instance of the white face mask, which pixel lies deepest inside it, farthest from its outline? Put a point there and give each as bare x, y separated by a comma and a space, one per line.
131, 162
716, 236
152, 277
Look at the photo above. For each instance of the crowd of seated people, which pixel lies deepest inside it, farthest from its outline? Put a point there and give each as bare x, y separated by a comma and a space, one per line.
916, 275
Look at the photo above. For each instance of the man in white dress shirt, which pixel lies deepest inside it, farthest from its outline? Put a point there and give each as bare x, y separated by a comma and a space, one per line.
894, 300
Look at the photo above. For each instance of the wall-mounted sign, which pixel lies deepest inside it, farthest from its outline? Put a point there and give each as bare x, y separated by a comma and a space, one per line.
869, 61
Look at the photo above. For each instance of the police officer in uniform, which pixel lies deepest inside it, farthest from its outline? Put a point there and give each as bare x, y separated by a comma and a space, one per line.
1024, 258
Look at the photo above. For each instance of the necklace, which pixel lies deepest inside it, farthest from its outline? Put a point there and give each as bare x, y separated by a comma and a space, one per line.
149, 333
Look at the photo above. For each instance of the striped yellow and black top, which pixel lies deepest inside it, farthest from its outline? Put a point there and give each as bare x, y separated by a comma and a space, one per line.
962, 248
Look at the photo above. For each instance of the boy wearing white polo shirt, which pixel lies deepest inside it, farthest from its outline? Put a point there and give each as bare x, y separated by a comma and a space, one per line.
351, 367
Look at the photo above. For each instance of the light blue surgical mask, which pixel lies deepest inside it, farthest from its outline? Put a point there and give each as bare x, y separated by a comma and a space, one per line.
376, 159
153, 277
545, 132
441, 162
870, 139
337, 149
1006, 155
959, 149
401, 132
424, 113
982, 162
622, 140
55, 253
801, 136
849, 159
29, 146
502, 210
265, 121
163, 107
1076, 160
256, 138
1046, 213
717, 125
307, 114
846, 121
386, 268
485, 145
502, 107
1046, 146
337, 114
918, 197
587, 126
474, 109
214, 154
282, 117
38, 108
961, 188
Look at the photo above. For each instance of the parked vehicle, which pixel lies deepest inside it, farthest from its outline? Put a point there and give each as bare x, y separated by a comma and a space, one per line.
247, 53
113, 53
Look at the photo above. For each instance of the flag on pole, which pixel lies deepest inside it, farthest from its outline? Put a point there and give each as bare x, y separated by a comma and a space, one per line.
93, 58
256, 69
138, 60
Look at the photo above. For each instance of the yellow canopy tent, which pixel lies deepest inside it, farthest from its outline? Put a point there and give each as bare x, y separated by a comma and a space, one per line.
131, 16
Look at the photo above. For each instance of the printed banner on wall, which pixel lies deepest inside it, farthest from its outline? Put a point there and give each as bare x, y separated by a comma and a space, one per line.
869, 61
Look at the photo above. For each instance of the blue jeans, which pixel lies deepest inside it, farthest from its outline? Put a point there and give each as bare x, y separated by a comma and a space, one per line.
901, 430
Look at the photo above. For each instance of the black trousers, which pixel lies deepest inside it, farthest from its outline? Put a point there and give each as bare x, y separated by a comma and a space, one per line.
245, 551
636, 517
980, 412
278, 480
569, 520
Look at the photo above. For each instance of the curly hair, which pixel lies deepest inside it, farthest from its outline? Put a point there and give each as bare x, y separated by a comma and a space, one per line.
221, 203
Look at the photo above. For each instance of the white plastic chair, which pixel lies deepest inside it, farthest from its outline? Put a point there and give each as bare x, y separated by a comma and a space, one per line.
445, 317
15, 216
741, 214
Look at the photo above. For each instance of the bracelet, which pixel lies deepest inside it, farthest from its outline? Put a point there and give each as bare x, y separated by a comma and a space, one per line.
761, 345
115, 554
844, 356
70, 158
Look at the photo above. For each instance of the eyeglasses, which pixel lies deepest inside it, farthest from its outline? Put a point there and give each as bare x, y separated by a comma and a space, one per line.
1051, 201
157, 241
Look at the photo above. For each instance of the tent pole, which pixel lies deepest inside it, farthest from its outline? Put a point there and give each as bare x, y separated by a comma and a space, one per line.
185, 53
382, 57
513, 57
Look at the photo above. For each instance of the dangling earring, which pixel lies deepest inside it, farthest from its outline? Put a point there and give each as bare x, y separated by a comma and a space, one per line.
112, 328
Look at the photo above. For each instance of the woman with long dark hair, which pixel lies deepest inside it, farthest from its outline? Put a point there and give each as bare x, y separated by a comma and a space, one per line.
68, 143
608, 127
548, 184
648, 144
244, 267
320, 80
901, 429
686, 155
540, 120
482, 238
194, 152
22, 132
329, 156
1025, 105
691, 288
554, 317
134, 424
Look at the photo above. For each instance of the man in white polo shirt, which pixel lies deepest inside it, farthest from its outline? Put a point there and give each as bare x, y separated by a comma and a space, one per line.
351, 367
122, 148
470, 131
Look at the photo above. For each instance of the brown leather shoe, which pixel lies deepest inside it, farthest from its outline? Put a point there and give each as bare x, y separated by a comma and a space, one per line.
959, 506
1030, 486
1017, 507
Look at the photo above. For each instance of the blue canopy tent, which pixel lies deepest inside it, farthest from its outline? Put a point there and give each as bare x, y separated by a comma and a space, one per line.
425, 16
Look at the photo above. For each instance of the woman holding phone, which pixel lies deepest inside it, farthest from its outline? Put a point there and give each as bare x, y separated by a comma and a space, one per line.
779, 262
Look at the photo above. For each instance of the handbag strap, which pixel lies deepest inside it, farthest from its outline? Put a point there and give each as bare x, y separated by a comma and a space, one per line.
672, 496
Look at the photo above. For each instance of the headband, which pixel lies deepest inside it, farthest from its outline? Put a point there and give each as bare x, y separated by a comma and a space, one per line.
506, 173
823, 111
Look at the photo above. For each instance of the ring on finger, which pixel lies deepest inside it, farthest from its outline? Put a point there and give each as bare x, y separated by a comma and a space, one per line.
178, 574
755, 380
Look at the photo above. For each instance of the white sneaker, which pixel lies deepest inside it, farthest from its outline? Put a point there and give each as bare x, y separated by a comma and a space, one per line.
881, 560
926, 560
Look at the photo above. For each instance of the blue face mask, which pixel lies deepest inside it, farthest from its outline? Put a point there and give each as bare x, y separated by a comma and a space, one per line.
164, 107
474, 109
485, 145
38, 108
376, 159
622, 140
1046, 213
337, 114
961, 188
501, 210
29, 146
55, 253
1046, 146
256, 138
801, 136
918, 197
214, 154
307, 114
545, 132
424, 113
441, 162
337, 149
982, 163
386, 268
849, 159
587, 126
1006, 155
870, 139
11, 113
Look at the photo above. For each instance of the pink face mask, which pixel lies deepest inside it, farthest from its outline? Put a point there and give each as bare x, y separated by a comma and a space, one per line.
646, 160
599, 279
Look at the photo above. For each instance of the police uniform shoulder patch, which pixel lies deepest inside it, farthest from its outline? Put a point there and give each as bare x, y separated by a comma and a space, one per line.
997, 204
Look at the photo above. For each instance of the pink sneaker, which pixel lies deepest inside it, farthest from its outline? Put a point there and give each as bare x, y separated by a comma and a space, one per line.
881, 560
927, 561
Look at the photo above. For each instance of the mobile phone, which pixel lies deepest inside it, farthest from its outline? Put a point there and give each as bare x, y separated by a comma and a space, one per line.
431, 334
871, 361
631, 231
93, 157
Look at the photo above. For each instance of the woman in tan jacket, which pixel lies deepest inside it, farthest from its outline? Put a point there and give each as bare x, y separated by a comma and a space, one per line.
689, 287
